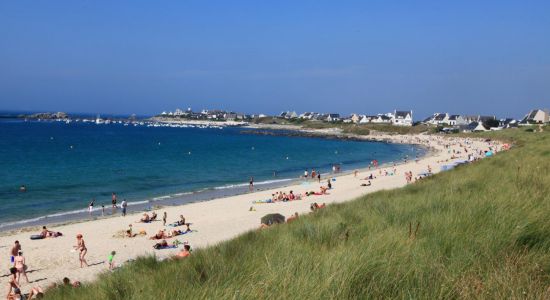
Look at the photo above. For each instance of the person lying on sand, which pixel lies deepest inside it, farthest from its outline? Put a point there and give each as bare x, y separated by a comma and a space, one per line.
36, 292
314, 206
67, 282
45, 233
163, 244
159, 236
366, 184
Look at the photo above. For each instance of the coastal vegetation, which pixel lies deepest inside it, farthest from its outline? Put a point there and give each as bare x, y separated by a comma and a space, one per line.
478, 231
349, 128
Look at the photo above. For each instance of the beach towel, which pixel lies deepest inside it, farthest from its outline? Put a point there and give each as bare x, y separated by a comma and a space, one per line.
262, 201
159, 247
176, 224
37, 237
185, 232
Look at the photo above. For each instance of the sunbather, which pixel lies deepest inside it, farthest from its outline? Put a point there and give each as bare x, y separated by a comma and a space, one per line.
145, 218
159, 236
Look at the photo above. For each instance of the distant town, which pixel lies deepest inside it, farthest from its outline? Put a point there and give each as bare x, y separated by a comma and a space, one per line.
444, 122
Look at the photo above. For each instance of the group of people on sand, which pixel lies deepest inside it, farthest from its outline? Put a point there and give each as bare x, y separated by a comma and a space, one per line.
18, 261
45, 233
148, 219
17, 271
114, 206
284, 197
161, 234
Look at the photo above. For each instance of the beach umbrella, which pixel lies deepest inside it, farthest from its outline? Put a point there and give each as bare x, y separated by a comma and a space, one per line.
273, 219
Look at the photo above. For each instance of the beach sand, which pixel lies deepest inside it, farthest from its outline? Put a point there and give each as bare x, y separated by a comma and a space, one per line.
51, 259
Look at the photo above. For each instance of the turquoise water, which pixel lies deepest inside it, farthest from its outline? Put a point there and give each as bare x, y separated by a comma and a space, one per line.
64, 166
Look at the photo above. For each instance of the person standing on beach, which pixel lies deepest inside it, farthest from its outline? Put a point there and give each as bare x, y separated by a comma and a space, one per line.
91, 207
14, 250
164, 216
113, 201
19, 264
81, 246
124, 204
319, 177
305, 174
251, 184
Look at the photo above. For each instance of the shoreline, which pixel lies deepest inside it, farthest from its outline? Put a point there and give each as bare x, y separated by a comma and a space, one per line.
192, 196
216, 220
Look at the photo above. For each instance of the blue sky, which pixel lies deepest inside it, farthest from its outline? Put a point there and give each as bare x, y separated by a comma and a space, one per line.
488, 57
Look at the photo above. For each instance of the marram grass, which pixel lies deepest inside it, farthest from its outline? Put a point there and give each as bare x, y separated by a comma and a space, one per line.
480, 231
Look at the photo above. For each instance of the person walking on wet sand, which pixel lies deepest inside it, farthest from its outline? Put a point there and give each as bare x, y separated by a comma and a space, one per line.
91, 207
113, 202
81, 246
251, 184
124, 204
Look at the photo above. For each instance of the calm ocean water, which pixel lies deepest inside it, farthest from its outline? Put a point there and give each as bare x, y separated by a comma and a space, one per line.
64, 166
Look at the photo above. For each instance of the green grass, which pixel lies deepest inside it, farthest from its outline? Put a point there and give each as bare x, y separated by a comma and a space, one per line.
360, 129
484, 232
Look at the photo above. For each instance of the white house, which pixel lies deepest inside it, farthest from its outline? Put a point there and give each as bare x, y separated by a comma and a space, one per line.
355, 118
437, 119
479, 127
536, 116
456, 120
381, 119
402, 118
333, 117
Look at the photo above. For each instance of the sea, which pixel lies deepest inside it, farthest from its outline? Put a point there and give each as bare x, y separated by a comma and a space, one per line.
65, 166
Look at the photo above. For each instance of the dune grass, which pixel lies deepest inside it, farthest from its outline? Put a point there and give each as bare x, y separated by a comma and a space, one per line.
478, 231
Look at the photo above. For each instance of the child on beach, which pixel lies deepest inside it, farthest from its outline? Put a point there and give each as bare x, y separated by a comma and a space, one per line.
110, 259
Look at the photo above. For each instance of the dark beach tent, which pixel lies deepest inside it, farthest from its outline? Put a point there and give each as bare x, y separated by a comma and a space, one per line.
273, 219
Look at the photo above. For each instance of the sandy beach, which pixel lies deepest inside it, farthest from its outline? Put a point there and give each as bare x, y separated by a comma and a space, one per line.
49, 260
